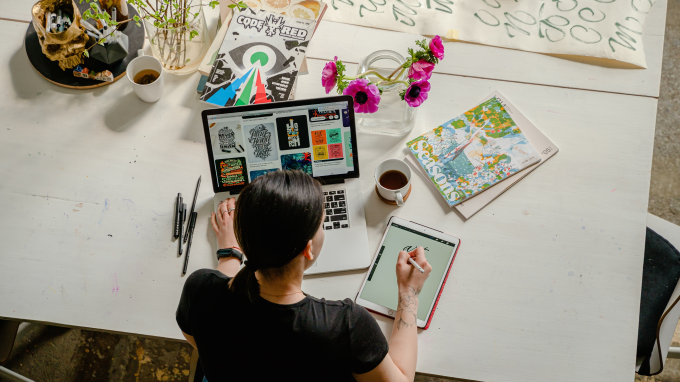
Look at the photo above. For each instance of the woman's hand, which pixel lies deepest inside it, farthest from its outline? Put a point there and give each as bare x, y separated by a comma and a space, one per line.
223, 224
407, 275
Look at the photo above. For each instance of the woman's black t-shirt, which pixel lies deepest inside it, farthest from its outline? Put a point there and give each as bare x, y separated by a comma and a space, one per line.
311, 340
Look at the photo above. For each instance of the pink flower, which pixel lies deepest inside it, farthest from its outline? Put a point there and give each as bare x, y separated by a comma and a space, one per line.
329, 75
416, 93
437, 47
421, 70
366, 95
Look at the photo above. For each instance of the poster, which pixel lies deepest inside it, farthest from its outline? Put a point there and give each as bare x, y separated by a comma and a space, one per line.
610, 29
260, 142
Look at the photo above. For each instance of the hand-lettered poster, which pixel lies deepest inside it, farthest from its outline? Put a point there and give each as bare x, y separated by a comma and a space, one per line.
335, 151
333, 136
348, 149
231, 172
293, 133
607, 29
320, 152
319, 137
260, 142
299, 161
259, 59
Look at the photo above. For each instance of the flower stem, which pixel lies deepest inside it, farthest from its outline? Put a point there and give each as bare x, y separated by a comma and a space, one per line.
396, 70
367, 73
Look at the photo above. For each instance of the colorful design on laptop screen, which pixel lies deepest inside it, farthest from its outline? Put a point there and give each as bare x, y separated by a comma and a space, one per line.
312, 138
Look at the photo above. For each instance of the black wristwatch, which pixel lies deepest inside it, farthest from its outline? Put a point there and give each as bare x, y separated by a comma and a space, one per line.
230, 252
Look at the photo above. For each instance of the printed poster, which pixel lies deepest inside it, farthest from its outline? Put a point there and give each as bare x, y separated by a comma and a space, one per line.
231, 172
260, 143
299, 161
293, 133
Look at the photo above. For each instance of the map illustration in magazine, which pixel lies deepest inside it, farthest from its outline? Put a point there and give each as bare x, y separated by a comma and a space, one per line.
473, 151
259, 59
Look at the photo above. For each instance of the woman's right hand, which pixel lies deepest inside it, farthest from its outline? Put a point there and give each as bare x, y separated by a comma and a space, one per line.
407, 275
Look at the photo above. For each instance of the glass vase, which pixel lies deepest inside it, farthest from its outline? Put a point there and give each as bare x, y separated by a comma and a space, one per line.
394, 116
177, 51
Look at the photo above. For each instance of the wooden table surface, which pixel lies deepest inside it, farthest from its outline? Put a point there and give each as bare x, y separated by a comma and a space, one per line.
546, 285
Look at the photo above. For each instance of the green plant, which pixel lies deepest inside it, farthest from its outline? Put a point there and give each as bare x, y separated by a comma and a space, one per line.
172, 19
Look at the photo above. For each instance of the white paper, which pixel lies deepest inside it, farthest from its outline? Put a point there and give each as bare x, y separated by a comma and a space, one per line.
610, 29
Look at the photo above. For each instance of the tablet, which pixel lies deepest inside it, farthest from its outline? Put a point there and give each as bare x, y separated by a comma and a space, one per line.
379, 292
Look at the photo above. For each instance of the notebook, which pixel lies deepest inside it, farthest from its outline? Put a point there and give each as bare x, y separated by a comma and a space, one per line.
475, 151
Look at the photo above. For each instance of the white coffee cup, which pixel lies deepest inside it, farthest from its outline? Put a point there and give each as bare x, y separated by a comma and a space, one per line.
396, 195
150, 92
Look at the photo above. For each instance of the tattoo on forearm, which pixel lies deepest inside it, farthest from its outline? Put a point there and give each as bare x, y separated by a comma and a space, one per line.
408, 306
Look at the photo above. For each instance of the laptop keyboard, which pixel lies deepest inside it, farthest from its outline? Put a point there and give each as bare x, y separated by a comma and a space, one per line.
335, 204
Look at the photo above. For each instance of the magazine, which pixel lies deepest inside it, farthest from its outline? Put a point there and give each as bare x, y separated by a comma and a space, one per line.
474, 151
259, 59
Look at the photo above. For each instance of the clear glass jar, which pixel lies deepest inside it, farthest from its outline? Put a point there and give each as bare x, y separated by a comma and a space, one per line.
174, 47
394, 116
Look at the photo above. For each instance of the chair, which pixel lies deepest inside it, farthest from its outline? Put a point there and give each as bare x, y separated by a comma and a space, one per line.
652, 363
9, 331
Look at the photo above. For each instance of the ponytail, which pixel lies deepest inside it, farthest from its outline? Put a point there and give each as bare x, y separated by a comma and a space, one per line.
276, 216
245, 283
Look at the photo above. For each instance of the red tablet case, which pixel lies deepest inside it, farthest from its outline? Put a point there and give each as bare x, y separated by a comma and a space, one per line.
434, 308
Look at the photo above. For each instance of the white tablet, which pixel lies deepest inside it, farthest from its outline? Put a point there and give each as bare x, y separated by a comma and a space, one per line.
379, 292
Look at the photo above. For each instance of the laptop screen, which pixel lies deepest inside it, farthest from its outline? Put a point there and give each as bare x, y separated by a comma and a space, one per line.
315, 136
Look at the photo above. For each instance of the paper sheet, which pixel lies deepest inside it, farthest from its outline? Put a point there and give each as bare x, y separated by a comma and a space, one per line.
610, 29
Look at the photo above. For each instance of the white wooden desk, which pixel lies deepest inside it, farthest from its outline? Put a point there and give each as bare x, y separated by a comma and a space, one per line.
546, 285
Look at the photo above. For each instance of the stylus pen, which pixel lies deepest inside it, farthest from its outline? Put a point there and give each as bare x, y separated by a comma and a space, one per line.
410, 260
186, 235
190, 231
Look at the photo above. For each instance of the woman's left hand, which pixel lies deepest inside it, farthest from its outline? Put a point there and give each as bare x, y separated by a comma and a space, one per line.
223, 224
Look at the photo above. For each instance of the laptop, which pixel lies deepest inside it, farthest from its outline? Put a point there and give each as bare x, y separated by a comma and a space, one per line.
317, 136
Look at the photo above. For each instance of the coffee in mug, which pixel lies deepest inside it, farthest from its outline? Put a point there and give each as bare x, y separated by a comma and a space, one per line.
393, 179
146, 76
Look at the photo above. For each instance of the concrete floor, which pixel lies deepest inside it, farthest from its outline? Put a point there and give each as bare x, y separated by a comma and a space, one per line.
48, 353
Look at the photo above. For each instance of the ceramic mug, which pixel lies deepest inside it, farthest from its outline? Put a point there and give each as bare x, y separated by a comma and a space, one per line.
149, 92
395, 194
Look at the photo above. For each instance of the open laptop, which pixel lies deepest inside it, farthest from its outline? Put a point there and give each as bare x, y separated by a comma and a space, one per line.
317, 136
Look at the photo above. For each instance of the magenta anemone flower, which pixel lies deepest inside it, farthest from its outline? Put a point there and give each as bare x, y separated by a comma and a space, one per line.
421, 70
366, 95
416, 93
329, 75
437, 47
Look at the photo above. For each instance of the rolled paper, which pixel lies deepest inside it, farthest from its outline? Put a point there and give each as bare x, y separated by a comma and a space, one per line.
113, 13
54, 28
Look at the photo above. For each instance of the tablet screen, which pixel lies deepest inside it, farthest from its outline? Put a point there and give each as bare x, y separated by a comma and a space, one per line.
381, 285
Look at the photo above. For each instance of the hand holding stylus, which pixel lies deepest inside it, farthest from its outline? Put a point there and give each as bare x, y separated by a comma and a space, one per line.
409, 275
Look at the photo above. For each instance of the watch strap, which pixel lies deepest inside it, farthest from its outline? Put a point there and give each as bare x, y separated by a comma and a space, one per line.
230, 252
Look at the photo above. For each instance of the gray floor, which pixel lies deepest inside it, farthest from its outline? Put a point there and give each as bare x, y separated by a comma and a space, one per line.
50, 353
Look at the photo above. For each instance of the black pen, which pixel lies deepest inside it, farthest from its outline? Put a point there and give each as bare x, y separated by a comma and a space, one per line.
178, 215
190, 232
193, 205
181, 225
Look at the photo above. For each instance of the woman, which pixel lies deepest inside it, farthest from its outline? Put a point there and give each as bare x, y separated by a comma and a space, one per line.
256, 324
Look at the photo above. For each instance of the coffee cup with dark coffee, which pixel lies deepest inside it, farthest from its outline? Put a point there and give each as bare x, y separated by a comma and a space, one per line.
393, 181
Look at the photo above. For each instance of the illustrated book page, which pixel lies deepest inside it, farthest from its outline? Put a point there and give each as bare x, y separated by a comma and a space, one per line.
498, 149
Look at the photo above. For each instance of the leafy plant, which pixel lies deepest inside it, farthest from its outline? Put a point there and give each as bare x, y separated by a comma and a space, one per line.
172, 18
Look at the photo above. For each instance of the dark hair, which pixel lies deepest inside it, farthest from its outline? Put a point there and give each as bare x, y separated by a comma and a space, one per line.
276, 215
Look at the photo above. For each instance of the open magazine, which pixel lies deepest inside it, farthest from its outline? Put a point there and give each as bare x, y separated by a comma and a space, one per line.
259, 59
474, 151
